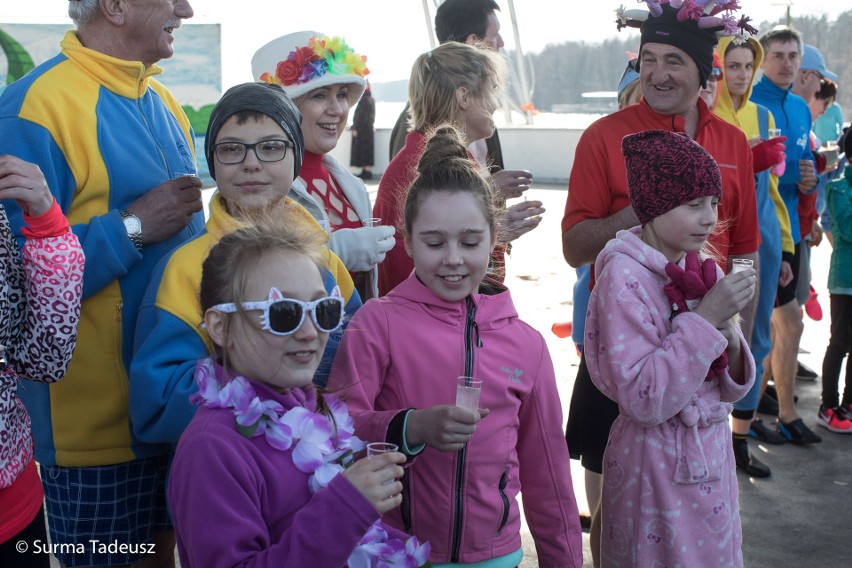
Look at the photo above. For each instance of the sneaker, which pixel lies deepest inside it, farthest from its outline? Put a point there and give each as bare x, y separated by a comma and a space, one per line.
797, 433
760, 431
835, 420
746, 462
770, 390
812, 307
768, 404
805, 373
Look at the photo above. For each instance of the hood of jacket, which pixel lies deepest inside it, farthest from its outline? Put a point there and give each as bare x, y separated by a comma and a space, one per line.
630, 243
494, 306
724, 107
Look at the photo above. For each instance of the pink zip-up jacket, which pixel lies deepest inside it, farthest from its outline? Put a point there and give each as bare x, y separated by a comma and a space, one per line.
405, 350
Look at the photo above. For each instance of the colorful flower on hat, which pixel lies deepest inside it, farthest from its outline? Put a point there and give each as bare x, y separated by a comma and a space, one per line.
322, 55
705, 12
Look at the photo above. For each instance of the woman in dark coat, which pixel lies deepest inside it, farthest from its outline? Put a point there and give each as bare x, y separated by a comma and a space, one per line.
362, 135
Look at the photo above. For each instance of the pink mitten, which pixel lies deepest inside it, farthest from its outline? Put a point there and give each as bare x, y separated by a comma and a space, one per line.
676, 298
708, 272
718, 367
689, 278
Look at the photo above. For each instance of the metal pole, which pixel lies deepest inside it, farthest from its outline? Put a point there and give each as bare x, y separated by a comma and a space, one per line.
519, 56
432, 41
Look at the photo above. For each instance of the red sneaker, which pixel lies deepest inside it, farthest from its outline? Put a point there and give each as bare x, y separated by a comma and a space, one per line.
834, 419
812, 307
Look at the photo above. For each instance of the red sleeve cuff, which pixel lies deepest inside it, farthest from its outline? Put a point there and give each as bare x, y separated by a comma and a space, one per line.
49, 224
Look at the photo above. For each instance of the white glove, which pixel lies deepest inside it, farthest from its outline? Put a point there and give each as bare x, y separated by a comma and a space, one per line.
361, 249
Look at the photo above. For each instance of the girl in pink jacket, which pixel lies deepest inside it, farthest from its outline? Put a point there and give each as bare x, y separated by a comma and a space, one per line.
397, 367
662, 340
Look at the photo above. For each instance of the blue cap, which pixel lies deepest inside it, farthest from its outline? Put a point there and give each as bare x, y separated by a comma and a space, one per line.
630, 75
812, 61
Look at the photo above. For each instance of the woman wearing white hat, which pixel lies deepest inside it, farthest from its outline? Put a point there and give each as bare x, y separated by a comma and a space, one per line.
325, 78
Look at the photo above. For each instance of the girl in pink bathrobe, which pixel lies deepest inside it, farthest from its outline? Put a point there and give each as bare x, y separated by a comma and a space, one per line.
663, 341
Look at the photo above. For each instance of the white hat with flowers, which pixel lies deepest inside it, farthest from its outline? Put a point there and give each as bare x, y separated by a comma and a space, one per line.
303, 61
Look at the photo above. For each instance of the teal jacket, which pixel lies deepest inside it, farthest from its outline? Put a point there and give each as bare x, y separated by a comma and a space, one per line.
840, 207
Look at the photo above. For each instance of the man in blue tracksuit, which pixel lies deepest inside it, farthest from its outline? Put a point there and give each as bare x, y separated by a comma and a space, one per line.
783, 57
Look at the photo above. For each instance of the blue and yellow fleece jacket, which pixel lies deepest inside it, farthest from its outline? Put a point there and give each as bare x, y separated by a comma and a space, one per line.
104, 133
169, 336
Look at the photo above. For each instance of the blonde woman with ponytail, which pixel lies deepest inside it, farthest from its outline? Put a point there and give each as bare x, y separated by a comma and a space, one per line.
458, 84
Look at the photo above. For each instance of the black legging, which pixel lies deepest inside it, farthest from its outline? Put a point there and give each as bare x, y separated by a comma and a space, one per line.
34, 557
838, 347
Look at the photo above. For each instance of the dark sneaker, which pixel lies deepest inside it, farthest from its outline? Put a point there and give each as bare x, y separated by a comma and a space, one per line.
768, 404
760, 431
797, 433
805, 373
746, 462
770, 390
835, 420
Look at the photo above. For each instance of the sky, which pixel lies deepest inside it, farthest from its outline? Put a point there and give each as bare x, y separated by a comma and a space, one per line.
392, 33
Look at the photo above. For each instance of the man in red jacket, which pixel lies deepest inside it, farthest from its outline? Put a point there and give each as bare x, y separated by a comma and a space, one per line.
675, 60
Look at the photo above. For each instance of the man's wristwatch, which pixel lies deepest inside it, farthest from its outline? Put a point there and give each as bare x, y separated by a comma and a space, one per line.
133, 226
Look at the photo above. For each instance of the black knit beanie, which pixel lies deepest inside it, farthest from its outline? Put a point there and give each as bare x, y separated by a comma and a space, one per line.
263, 98
698, 43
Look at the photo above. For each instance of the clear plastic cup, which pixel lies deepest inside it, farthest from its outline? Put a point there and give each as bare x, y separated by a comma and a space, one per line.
371, 221
468, 390
774, 132
740, 264
376, 448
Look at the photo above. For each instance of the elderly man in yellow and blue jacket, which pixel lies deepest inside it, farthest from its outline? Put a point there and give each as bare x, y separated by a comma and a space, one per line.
110, 141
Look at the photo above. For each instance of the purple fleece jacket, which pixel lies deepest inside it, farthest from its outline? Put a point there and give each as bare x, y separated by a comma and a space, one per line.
670, 486
240, 502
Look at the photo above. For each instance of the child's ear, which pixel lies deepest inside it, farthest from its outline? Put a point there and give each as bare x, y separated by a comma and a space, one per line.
463, 98
408, 245
215, 322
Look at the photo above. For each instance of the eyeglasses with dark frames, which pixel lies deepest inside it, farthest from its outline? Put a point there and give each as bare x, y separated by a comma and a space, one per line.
265, 150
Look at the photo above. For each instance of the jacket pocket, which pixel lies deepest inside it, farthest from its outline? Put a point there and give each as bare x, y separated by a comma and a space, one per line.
501, 489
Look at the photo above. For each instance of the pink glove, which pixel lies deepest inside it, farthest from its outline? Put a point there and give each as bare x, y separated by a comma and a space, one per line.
768, 153
687, 283
692, 282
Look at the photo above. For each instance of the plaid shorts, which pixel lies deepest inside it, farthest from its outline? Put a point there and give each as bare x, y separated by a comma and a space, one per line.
114, 505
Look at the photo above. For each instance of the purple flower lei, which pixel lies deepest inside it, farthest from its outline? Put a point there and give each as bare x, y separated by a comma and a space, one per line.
321, 446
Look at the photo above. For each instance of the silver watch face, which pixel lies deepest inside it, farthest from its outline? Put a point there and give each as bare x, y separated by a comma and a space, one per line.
133, 225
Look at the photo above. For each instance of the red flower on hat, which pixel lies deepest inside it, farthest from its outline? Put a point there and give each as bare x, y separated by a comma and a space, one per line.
288, 72
302, 55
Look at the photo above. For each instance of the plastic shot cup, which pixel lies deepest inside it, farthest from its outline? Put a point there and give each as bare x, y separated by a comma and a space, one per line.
468, 390
371, 221
774, 132
740, 264
376, 448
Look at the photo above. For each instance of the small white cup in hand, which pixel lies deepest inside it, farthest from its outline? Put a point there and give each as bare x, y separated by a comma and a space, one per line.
740, 264
468, 390
376, 448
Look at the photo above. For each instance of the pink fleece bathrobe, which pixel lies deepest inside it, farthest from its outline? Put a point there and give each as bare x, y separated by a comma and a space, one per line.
670, 487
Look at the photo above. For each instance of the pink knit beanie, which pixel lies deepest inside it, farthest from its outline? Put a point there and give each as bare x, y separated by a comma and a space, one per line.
667, 169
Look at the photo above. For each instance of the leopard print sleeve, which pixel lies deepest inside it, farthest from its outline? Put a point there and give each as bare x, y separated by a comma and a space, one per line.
41, 308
